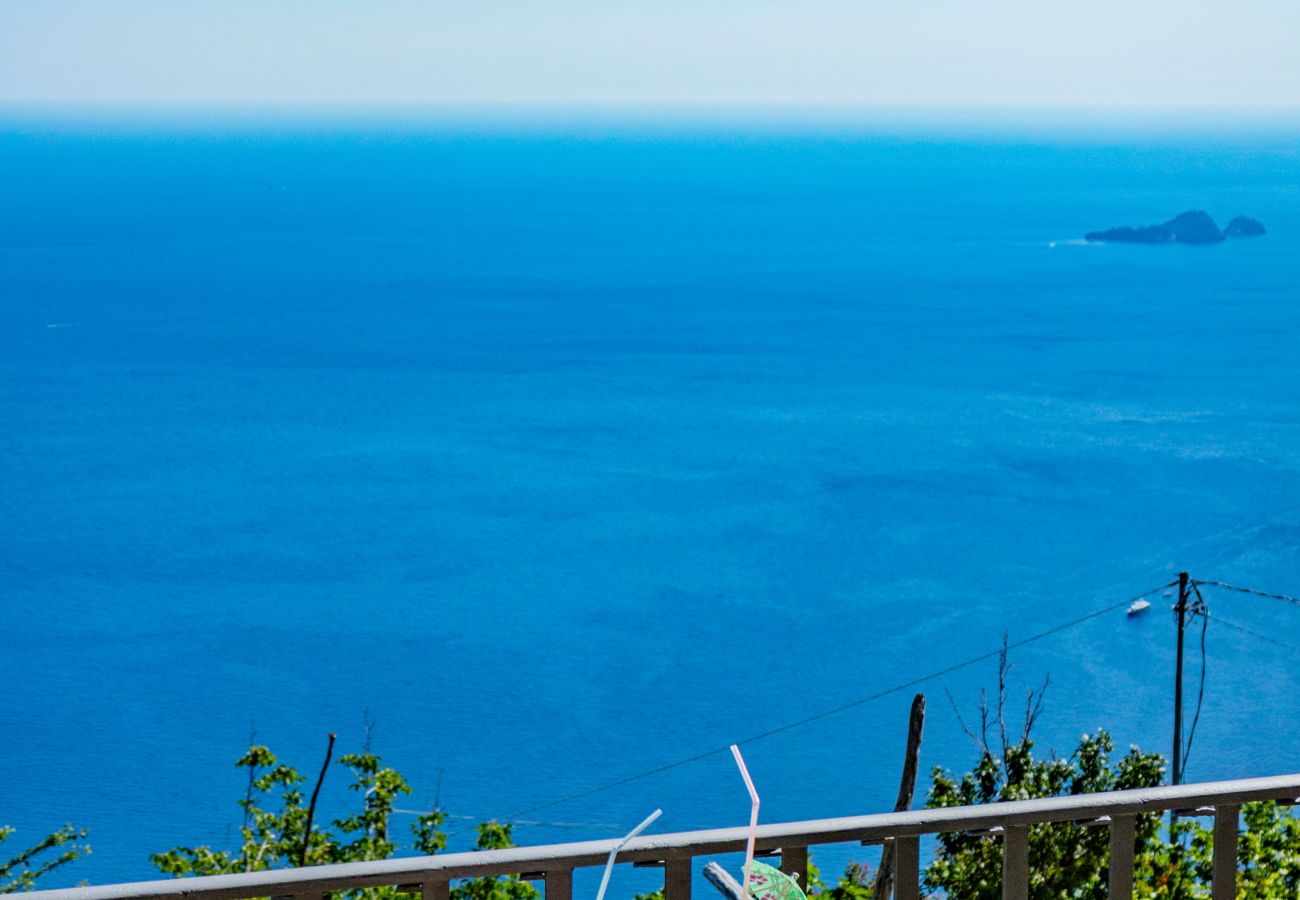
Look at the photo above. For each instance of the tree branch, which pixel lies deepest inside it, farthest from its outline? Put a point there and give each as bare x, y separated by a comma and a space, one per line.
311, 809
906, 788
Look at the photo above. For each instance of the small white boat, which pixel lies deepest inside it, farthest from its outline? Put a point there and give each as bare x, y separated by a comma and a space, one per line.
1139, 607
1166, 593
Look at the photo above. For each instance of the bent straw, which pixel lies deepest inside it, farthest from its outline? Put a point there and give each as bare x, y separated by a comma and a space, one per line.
753, 817
609, 863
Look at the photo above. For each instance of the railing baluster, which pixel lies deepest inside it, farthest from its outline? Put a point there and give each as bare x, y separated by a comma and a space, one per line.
559, 884
1015, 863
907, 868
794, 861
1225, 853
435, 890
677, 879
1123, 830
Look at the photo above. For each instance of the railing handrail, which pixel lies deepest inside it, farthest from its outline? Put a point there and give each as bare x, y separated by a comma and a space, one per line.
685, 844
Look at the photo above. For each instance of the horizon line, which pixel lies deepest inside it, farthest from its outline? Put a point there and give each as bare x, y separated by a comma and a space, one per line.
673, 103
1265, 119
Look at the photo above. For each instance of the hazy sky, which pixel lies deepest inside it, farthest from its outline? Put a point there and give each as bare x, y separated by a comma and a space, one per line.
1198, 52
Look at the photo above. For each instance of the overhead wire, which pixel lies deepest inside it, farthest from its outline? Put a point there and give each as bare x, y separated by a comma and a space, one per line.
1202, 609
844, 707
1285, 598
1256, 634
532, 822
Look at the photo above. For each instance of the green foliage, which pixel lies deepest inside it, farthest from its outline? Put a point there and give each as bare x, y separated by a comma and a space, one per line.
1065, 860
56, 849
378, 786
1268, 859
275, 827
494, 836
1268, 853
1069, 862
1176, 868
275, 822
854, 884
428, 839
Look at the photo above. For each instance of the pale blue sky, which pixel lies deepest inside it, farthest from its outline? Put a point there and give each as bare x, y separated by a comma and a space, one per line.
999, 52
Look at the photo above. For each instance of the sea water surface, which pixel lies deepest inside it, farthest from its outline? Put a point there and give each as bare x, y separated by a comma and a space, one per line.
565, 452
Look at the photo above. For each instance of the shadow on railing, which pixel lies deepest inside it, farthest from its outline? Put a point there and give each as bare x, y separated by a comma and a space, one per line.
554, 864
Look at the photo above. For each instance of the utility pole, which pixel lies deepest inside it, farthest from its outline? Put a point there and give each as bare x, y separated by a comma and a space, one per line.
1181, 609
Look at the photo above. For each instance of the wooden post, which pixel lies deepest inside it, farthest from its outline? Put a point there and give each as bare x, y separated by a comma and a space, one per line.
677, 879
1225, 853
794, 862
906, 788
907, 862
559, 884
1015, 862
1122, 836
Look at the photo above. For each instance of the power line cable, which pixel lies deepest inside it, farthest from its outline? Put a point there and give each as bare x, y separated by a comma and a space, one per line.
1285, 598
956, 667
535, 822
1253, 633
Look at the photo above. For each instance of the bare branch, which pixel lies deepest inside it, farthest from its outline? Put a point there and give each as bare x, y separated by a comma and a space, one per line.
252, 773
1004, 669
1034, 706
984, 719
370, 727
884, 883
962, 722
311, 810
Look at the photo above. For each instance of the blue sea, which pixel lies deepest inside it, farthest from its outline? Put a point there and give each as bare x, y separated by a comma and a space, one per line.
562, 450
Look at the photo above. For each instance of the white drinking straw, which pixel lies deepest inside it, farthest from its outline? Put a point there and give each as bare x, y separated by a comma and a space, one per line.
753, 818
609, 863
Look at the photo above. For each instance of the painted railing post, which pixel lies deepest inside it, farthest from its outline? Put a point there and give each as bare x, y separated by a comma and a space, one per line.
677, 879
1015, 862
1123, 832
435, 889
559, 884
907, 868
794, 861
1225, 852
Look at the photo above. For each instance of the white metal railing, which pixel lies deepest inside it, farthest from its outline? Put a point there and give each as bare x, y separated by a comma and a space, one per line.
554, 864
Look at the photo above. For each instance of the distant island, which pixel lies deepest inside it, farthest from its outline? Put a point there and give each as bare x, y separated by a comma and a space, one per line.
1244, 227
1192, 227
